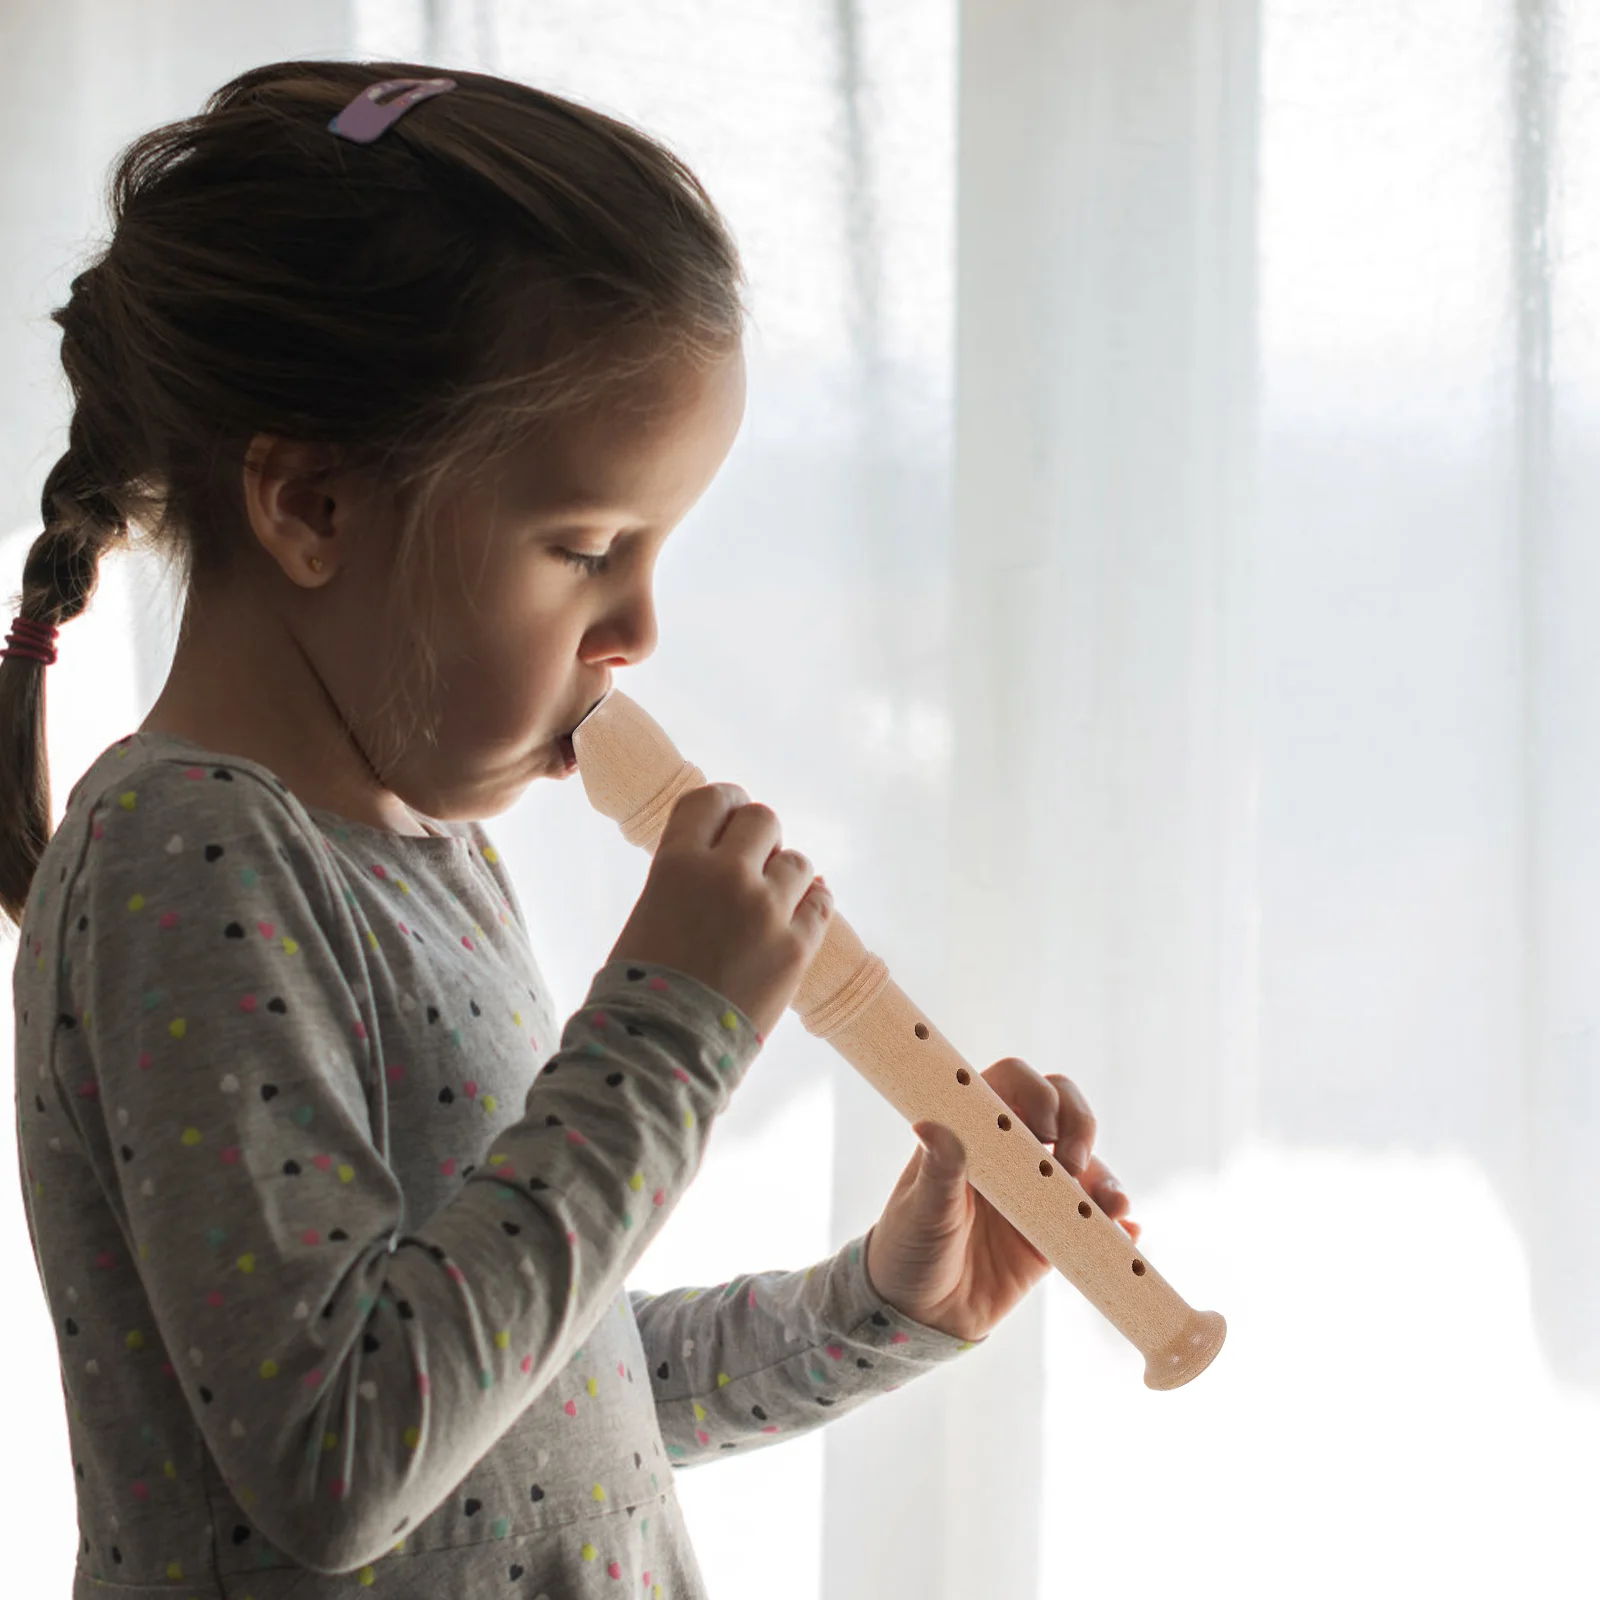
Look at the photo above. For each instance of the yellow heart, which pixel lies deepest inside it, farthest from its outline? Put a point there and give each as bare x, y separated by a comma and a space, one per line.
177, 1027
636, 1182
129, 800
289, 946
136, 903
730, 1022
135, 1340
269, 1369
191, 1136
247, 1262
346, 1173
722, 1378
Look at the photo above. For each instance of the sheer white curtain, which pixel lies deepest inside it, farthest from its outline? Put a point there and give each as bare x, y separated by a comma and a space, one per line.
1153, 584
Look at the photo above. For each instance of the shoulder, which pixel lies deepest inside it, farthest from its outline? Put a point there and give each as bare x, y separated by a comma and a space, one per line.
155, 802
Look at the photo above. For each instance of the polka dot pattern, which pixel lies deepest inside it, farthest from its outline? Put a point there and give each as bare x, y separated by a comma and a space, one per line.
336, 1184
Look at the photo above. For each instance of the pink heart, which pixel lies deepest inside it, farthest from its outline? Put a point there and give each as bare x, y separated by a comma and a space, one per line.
835, 1352
265, 929
571, 1408
169, 919
322, 1162
247, 1002
448, 1168
657, 983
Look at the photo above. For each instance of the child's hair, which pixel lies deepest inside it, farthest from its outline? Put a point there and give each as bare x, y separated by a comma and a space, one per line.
499, 257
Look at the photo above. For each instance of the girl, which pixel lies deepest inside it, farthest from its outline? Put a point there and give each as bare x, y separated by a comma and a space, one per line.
414, 381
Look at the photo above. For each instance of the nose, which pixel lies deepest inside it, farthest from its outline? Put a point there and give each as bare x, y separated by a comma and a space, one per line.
628, 634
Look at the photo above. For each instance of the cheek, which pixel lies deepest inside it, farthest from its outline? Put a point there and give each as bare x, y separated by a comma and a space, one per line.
507, 682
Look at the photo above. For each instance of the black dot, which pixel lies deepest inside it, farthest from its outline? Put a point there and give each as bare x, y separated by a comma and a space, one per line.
638, 1033
339, 1234
268, 1090
66, 1020
292, 1168
127, 1153
474, 1005
536, 1494
510, 1228
662, 1371
635, 973
433, 1013
83, 922
758, 1413
213, 851
473, 1507
277, 1004
72, 1327
446, 1095
224, 774
240, 1533
514, 1571
613, 1078
552, 1122
536, 1184
205, 1394
234, 931
369, 1345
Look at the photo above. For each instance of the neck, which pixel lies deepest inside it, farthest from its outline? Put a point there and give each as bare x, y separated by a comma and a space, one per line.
240, 684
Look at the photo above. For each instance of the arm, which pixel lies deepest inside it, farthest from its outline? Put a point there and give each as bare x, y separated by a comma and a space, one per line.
773, 1355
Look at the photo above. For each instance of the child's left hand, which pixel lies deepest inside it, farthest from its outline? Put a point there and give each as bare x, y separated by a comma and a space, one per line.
940, 1253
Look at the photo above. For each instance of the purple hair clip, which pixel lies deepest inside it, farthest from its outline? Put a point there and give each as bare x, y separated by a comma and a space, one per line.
363, 120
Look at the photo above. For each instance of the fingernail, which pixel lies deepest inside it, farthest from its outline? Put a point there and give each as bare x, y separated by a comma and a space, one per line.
1077, 1158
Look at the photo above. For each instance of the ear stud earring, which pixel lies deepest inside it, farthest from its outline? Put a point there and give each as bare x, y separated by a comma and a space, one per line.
315, 563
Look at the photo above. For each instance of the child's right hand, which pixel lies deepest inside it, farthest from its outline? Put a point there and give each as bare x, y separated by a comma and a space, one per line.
725, 904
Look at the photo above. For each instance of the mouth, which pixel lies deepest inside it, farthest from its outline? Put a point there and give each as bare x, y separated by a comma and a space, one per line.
564, 746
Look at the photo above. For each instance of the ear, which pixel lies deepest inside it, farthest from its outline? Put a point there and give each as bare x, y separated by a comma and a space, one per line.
292, 498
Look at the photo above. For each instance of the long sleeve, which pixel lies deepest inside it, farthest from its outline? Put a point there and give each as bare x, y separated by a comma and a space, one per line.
217, 1049
772, 1355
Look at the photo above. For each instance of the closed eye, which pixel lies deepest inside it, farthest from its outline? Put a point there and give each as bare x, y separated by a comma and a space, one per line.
585, 563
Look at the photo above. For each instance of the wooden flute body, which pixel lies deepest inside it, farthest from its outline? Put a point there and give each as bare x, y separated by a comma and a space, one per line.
633, 773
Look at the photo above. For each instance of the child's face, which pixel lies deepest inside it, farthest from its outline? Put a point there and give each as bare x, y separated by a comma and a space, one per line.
527, 641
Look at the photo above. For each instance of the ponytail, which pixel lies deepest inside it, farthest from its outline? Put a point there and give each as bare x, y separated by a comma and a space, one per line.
58, 580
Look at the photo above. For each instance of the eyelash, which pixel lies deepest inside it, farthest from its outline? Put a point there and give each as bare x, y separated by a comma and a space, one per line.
589, 564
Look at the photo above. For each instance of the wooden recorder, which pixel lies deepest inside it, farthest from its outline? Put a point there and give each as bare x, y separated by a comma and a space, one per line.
632, 772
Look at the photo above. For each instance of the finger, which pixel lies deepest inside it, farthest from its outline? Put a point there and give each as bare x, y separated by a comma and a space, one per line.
698, 815
1076, 1127
1103, 1188
1028, 1094
789, 863
751, 828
